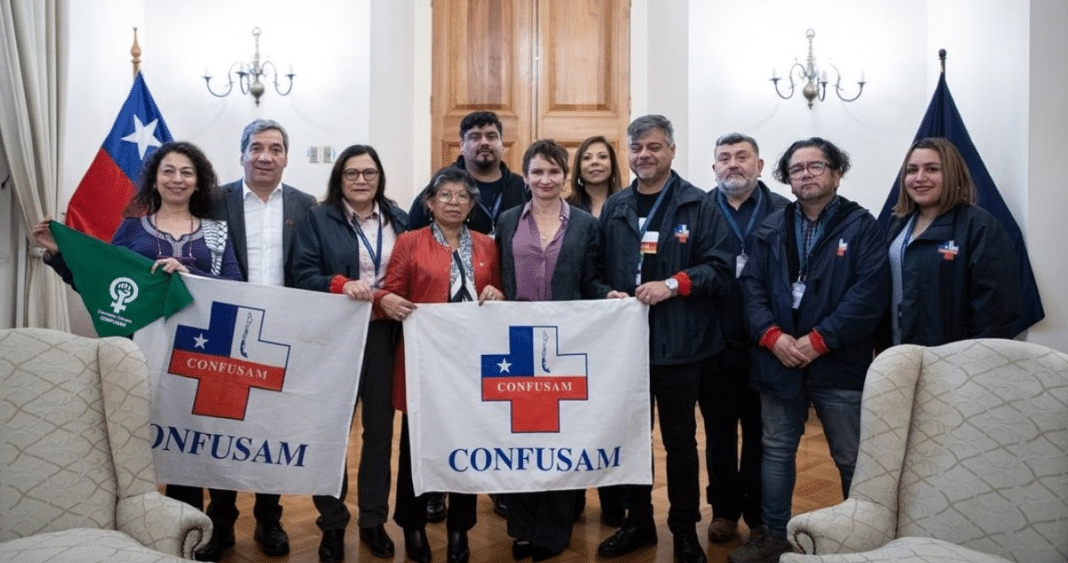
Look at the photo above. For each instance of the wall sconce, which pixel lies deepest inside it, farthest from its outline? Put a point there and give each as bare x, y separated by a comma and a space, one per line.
249, 74
815, 81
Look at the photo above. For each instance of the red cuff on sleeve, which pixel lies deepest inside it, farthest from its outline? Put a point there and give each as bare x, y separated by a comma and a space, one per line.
337, 283
817, 342
684, 284
771, 336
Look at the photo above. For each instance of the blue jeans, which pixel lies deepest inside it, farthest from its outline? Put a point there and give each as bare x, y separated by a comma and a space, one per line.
784, 422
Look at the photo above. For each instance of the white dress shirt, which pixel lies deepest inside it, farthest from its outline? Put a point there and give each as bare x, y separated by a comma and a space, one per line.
263, 237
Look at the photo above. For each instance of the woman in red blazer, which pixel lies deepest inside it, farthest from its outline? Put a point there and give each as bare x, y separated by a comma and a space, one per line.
441, 263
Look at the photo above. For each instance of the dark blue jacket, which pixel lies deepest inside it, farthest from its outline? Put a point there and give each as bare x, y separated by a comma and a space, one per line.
682, 329
729, 308
959, 279
847, 293
326, 245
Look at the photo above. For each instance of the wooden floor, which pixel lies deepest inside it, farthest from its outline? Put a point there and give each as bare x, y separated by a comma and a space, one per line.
817, 486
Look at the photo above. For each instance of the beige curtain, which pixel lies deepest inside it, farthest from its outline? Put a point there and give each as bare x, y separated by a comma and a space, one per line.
32, 76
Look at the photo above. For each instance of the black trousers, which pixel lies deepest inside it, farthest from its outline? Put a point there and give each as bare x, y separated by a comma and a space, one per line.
726, 400
410, 513
376, 447
673, 391
545, 519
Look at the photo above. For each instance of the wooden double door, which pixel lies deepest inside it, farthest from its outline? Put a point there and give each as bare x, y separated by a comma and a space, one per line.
556, 69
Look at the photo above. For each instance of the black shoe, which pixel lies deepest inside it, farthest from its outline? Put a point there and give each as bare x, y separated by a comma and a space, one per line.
436, 510
457, 551
416, 546
688, 548
332, 546
500, 507
272, 538
377, 541
221, 540
628, 539
521, 549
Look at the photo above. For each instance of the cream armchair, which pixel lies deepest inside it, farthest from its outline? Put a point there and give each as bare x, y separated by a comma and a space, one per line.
77, 481
963, 457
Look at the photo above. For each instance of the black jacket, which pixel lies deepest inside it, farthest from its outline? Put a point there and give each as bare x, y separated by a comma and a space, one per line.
693, 239
578, 267
229, 205
729, 309
958, 279
515, 193
326, 246
846, 295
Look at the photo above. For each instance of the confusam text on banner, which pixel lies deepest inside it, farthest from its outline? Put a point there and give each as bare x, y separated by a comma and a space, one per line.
528, 396
254, 387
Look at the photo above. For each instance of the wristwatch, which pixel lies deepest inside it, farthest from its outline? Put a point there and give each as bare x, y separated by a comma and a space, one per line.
673, 285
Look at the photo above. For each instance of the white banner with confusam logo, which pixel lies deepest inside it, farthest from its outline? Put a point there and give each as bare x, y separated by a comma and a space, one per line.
254, 387
528, 396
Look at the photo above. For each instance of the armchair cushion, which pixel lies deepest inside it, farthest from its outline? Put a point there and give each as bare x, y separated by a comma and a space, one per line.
80, 545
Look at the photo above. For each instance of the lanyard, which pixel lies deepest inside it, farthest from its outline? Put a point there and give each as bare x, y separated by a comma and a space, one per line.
496, 206
649, 218
804, 253
908, 236
376, 255
721, 199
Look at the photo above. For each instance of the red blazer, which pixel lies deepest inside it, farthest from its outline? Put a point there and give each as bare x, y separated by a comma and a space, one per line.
419, 272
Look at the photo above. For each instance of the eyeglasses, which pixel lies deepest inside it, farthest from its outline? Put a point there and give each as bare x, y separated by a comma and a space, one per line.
352, 174
814, 169
459, 197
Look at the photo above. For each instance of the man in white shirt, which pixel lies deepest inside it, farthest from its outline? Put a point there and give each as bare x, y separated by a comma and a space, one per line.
262, 214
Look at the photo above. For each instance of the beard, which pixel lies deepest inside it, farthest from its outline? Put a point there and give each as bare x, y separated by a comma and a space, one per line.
736, 185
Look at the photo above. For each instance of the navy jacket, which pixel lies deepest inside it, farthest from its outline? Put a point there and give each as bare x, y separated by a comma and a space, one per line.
327, 246
729, 307
578, 268
846, 295
515, 193
959, 279
229, 206
693, 239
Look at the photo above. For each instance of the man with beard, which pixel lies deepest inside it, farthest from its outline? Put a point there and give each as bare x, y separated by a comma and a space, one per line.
480, 154
816, 286
743, 201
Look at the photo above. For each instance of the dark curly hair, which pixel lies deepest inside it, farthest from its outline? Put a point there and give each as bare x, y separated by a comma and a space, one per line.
147, 200
837, 159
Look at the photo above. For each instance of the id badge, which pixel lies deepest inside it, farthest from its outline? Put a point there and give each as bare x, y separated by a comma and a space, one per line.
649, 242
798, 292
739, 264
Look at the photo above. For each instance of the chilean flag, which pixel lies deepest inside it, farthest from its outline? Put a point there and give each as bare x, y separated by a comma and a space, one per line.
96, 206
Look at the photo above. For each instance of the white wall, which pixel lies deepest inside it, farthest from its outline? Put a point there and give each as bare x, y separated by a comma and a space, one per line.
1047, 146
734, 47
327, 42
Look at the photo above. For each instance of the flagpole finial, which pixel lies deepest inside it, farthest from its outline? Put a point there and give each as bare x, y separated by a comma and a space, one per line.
942, 59
135, 52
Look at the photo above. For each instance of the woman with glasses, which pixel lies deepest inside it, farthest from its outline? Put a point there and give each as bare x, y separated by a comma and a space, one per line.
344, 247
549, 252
952, 264
596, 175
444, 262
167, 221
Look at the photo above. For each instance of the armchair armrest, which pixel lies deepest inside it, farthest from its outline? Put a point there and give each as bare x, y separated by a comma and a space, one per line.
854, 525
163, 524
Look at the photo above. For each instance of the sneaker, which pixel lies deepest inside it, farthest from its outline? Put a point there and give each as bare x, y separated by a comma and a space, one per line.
763, 546
722, 530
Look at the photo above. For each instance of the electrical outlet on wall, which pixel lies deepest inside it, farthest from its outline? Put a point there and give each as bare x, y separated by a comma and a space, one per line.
328, 153
313, 155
